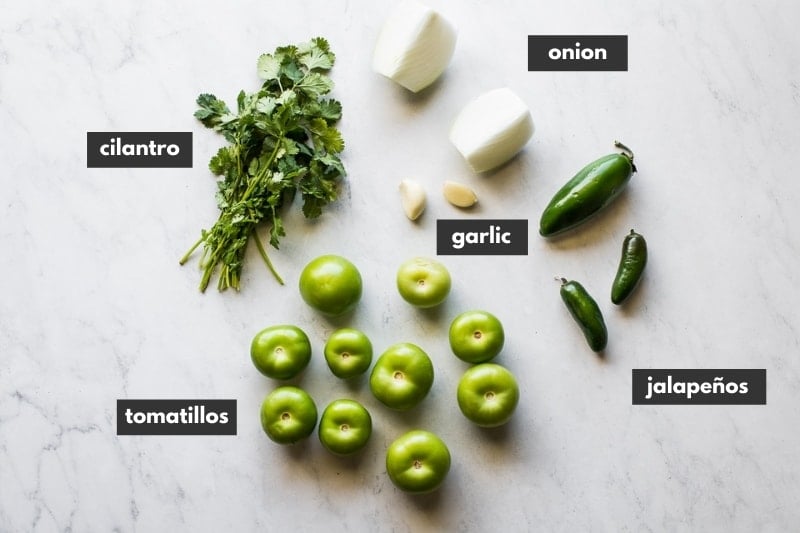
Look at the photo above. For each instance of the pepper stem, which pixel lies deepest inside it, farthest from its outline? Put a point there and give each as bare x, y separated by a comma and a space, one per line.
624, 148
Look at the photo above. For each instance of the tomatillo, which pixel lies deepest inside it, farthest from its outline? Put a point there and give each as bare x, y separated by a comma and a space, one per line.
344, 427
348, 352
423, 282
476, 336
402, 376
280, 352
418, 462
331, 284
488, 394
288, 414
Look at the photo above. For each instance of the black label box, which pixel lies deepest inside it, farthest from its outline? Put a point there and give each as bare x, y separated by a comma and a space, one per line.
138, 149
481, 237
577, 53
176, 417
699, 386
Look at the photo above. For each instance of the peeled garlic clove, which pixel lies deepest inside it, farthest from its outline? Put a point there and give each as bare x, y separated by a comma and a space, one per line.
491, 129
414, 45
459, 194
412, 196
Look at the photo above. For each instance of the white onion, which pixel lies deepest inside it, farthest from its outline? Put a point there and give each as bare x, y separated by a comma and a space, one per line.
492, 129
414, 46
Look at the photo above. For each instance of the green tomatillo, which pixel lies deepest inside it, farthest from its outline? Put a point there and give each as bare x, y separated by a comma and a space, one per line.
476, 336
280, 352
345, 427
402, 376
423, 282
418, 462
488, 394
331, 284
348, 352
288, 414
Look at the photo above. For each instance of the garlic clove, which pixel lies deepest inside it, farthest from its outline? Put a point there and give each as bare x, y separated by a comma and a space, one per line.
492, 129
412, 197
414, 46
459, 194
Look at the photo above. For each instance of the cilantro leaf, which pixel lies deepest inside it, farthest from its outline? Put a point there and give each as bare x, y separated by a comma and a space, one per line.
268, 67
330, 110
316, 55
276, 232
291, 70
312, 206
332, 164
326, 137
315, 85
266, 104
212, 110
222, 162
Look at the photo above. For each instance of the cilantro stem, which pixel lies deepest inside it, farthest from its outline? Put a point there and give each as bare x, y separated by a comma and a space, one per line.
209, 270
265, 257
263, 173
191, 250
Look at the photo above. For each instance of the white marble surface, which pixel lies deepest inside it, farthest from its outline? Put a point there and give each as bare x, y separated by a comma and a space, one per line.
94, 307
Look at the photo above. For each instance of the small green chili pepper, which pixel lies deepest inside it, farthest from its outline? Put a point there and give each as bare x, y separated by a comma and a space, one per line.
589, 191
585, 311
631, 266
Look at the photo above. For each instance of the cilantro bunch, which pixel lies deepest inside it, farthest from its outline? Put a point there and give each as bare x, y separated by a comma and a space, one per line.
281, 140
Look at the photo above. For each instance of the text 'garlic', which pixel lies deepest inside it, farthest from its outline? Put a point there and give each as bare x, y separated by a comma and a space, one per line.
412, 197
414, 46
492, 129
459, 194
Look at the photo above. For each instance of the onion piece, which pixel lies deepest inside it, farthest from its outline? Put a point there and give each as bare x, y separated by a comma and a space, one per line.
492, 129
414, 46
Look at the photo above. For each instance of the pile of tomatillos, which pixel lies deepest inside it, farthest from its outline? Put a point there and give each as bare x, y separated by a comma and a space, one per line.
400, 378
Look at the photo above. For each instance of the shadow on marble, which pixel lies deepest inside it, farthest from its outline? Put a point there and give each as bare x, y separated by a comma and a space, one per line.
426, 96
